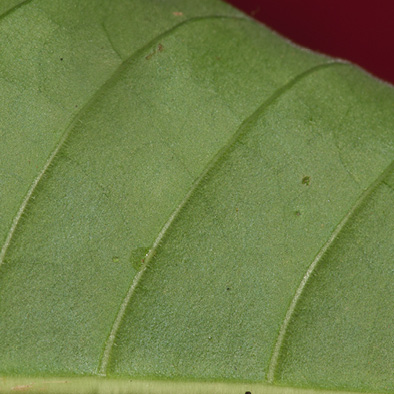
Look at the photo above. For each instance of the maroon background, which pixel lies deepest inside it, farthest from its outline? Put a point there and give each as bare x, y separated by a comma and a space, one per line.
357, 30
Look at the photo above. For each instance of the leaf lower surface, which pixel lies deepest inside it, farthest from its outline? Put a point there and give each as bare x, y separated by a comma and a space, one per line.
185, 196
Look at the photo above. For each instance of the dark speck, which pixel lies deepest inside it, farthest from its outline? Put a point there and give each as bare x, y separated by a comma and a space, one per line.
61, 59
306, 180
228, 288
248, 392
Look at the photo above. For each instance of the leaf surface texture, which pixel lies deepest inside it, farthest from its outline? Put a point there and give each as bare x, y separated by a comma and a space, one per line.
187, 196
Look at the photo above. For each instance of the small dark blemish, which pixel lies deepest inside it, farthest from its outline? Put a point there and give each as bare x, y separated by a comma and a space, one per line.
160, 48
138, 257
297, 213
248, 392
61, 59
228, 288
306, 180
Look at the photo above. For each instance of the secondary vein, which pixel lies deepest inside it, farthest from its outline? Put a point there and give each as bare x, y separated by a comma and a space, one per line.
290, 311
14, 8
242, 129
96, 95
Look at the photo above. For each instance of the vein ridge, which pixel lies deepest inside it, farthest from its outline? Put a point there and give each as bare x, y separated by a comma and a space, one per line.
14, 8
334, 235
96, 95
242, 129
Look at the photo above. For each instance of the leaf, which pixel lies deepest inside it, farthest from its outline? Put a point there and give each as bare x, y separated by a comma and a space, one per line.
191, 202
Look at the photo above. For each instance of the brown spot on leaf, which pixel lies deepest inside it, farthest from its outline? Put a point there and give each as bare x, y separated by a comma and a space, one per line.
23, 387
159, 48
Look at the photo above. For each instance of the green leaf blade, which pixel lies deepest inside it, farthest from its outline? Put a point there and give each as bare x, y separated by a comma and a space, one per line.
163, 229
344, 314
229, 338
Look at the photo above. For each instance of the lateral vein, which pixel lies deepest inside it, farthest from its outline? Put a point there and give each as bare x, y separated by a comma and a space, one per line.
96, 95
242, 129
14, 8
290, 311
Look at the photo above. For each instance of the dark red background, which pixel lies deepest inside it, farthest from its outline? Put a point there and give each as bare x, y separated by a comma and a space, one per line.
360, 31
